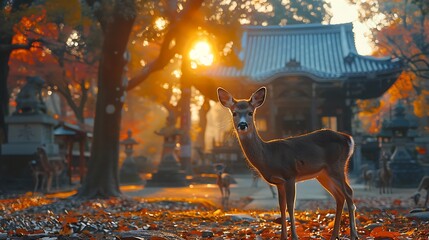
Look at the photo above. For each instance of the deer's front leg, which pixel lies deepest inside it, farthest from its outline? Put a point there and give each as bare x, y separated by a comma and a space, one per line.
282, 204
221, 190
290, 202
426, 199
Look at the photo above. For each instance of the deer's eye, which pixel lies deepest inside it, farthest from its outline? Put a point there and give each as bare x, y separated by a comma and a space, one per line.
234, 114
250, 113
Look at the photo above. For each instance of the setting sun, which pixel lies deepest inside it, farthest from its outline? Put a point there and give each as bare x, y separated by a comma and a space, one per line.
201, 54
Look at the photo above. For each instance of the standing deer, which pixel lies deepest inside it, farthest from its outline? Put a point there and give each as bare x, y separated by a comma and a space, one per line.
322, 154
385, 175
223, 181
368, 177
424, 184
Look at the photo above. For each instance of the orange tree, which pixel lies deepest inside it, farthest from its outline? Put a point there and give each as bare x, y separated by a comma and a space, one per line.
66, 56
400, 29
40, 38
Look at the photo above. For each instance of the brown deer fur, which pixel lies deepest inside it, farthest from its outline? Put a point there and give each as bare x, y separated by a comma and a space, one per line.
385, 175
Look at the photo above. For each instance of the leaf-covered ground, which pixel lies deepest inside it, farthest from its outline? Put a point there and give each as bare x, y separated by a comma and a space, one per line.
131, 218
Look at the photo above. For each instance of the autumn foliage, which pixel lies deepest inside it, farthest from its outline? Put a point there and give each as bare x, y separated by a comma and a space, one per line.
193, 219
399, 30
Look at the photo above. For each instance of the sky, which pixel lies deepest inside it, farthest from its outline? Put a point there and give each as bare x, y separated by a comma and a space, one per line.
344, 12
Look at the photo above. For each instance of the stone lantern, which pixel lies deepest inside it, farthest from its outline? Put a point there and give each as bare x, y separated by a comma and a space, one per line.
406, 171
129, 172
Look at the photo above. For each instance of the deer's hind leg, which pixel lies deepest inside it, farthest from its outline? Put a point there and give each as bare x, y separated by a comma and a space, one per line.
340, 178
334, 189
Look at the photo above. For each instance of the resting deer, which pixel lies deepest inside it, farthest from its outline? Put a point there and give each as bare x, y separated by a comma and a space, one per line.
322, 154
424, 184
368, 177
385, 175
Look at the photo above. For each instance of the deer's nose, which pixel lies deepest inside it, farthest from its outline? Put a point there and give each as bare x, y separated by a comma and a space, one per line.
242, 126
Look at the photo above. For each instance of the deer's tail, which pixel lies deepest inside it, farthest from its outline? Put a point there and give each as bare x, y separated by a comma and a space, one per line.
351, 146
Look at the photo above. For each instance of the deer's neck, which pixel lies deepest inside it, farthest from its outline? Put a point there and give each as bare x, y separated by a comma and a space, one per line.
385, 167
253, 147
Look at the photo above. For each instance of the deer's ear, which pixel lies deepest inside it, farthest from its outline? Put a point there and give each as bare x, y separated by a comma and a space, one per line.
225, 98
258, 97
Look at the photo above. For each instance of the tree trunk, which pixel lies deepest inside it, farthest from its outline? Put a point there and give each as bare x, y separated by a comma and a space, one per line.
102, 180
6, 33
205, 108
4, 93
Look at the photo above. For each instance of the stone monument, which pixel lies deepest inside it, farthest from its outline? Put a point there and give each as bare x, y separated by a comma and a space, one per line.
129, 172
30, 126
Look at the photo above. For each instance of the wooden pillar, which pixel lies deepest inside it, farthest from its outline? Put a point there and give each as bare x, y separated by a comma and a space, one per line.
272, 126
69, 155
313, 108
185, 118
82, 165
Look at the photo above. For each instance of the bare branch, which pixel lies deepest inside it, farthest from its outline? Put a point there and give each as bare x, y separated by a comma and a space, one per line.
11, 47
183, 21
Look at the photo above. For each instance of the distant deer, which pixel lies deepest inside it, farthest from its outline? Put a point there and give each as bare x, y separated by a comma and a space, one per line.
322, 154
42, 167
223, 181
424, 184
368, 176
385, 175
45, 169
38, 172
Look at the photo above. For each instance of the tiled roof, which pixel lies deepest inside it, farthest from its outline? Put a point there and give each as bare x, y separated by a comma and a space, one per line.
323, 52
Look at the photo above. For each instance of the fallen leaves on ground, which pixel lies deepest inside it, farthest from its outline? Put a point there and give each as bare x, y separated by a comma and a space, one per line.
38, 217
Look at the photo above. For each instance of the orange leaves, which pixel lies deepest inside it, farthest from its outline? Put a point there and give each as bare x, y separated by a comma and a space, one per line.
374, 111
99, 219
402, 88
66, 230
381, 232
421, 104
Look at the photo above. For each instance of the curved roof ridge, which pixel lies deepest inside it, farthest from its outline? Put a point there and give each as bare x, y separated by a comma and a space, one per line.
300, 27
376, 59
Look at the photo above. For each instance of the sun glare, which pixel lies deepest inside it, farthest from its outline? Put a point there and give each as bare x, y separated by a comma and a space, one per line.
160, 23
201, 54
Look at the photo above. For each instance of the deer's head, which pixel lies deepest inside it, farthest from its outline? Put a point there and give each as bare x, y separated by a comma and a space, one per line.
219, 168
242, 110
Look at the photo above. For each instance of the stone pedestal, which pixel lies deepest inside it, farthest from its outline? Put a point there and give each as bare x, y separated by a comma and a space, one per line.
169, 172
406, 171
27, 132
129, 172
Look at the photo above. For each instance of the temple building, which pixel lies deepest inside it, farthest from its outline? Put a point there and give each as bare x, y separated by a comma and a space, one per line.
313, 74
